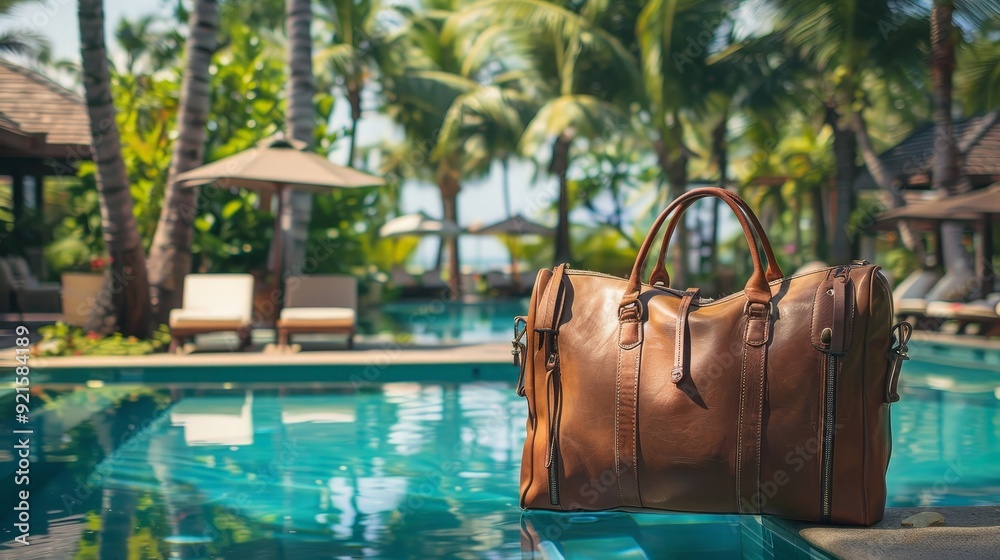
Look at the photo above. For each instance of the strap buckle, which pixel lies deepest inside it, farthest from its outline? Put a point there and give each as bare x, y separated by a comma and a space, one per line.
631, 308
748, 310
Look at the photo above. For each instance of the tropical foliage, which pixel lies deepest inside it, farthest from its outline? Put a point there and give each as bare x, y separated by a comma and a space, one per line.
619, 106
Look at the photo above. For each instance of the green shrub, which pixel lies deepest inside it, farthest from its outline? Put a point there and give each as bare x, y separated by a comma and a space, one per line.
61, 339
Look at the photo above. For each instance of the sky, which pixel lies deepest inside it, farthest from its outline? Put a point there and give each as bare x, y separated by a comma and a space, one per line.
479, 202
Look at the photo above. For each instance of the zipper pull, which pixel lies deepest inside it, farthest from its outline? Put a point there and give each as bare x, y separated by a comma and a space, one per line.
897, 355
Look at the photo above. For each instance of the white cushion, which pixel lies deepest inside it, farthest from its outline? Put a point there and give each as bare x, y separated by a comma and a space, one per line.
943, 308
911, 305
219, 296
318, 313
213, 315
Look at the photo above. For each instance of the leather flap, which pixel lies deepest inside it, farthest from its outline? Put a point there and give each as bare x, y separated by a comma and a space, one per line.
550, 302
833, 313
538, 299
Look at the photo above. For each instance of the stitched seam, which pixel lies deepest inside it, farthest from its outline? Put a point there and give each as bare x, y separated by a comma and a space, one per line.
618, 385
678, 361
760, 418
852, 303
635, 429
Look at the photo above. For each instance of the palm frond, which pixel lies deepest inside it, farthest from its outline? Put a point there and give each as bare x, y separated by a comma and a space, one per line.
585, 116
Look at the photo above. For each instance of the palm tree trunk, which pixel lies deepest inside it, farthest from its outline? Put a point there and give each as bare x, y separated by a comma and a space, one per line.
354, 98
886, 183
170, 253
301, 121
560, 168
449, 185
946, 174
127, 299
844, 153
505, 166
721, 156
820, 246
673, 163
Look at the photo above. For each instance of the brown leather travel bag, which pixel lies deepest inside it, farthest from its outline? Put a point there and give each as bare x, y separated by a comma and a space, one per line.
773, 400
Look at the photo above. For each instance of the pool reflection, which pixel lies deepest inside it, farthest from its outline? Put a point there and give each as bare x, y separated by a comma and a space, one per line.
396, 470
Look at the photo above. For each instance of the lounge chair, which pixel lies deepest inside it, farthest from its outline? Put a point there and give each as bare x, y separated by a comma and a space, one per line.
909, 297
214, 303
498, 281
404, 282
470, 284
19, 295
319, 304
984, 312
432, 281
526, 283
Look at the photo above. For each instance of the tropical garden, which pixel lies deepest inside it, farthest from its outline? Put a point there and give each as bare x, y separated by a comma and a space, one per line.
618, 106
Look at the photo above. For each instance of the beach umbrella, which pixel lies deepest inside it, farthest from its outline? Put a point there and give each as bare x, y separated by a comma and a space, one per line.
276, 165
515, 225
511, 228
420, 225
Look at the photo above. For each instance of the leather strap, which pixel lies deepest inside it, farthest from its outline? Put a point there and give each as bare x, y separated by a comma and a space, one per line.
680, 335
659, 274
752, 387
838, 340
626, 404
757, 289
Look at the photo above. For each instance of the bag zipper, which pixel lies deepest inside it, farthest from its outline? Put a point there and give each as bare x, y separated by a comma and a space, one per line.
555, 413
830, 417
830, 409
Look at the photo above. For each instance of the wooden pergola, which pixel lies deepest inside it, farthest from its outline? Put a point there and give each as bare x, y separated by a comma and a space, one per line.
44, 132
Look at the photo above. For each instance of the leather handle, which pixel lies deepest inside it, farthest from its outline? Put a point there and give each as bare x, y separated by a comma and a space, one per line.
757, 289
659, 273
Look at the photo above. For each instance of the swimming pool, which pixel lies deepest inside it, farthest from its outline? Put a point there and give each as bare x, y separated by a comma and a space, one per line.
413, 470
438, 320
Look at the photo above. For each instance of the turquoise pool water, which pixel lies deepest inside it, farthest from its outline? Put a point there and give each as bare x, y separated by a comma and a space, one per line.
412, 470
437, 321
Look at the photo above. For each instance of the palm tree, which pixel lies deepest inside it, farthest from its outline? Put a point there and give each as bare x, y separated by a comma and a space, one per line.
947, 177
301, 121
418, 100
448, 117
485, 125
128, 287
357, 39
21, 41
587, 71
675, 38
845, 43
170, 252
977, 81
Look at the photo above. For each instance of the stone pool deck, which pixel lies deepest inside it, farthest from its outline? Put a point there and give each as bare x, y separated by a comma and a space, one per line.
968, 532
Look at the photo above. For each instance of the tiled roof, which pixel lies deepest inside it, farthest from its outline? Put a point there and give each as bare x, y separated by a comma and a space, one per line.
912, 159
33, 105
